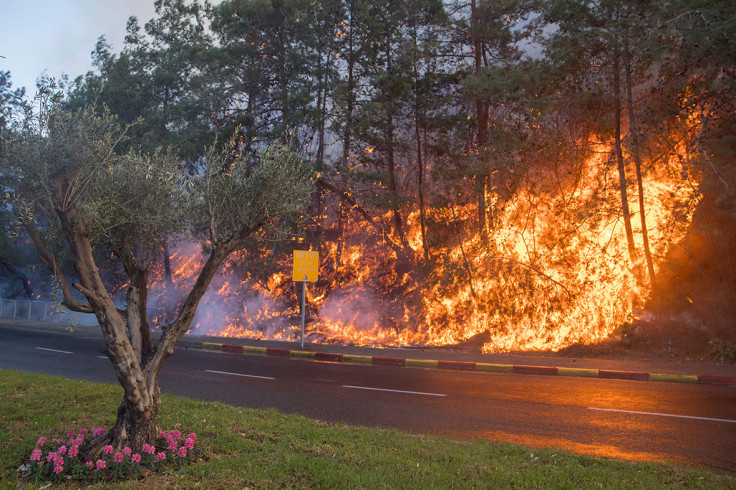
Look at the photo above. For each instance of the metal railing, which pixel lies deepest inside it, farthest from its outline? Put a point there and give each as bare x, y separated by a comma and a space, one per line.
19, 309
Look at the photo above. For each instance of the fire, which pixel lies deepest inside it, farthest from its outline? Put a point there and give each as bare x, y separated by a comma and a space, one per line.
552, 270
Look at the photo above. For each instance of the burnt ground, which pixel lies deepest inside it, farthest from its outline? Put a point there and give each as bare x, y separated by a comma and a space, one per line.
664, 340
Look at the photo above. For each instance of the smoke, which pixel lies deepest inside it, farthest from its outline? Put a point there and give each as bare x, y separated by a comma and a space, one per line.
359, 307
234, 305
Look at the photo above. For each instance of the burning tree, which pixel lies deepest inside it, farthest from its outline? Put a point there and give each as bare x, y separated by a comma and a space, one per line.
76, 196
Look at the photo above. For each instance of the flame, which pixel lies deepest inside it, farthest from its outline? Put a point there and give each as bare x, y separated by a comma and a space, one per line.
552, 270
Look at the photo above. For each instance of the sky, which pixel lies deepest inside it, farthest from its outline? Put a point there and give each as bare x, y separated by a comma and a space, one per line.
58, 36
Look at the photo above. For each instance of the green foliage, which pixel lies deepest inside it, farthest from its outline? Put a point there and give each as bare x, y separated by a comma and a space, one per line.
238, 191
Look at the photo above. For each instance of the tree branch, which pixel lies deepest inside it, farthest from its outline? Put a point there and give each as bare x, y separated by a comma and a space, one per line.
47, 257
367, 217
530, 267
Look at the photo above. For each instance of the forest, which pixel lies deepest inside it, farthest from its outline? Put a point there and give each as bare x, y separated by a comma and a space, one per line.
522, 174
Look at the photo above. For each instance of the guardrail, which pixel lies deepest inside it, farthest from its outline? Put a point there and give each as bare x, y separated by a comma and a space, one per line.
18, 309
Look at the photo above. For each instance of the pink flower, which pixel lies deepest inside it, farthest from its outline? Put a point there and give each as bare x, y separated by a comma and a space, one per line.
98, 431
161, 433
51, 457
127, 451
58, 469
61, 450
189, 443
182, 452
161, 456
173, 446
107, 449
136, 458
147, 448
70, 433
36, 455
172, 435
118, 458
101, 464
83, 432
89, 464
79, 440
73, 451
41, 441
193, 437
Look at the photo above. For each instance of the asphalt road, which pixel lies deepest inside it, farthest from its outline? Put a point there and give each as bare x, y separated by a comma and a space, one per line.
684, 423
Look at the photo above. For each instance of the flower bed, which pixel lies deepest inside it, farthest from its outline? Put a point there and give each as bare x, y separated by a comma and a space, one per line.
57, 459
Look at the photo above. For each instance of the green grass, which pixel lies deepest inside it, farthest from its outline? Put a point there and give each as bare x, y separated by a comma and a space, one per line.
239, 447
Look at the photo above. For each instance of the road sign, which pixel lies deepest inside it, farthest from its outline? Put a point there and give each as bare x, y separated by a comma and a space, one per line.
306, 265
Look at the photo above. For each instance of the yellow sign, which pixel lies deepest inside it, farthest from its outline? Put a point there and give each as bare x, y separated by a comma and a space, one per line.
306, 265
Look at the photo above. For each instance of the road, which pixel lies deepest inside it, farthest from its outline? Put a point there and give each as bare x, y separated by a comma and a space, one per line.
683, 423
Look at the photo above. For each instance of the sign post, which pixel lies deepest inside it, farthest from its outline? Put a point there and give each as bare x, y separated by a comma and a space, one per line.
306, 265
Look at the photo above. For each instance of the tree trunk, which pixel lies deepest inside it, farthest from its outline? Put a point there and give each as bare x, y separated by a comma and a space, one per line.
340, 233
134, 427
137, 305
168, 276
637, 163
420, 193
481, 118
132, 297
620, 159
344, 167
419, 118
392, 183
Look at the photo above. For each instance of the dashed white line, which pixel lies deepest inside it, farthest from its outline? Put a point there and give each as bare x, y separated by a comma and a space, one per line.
238, 374
393, 391
663, 414
54, 350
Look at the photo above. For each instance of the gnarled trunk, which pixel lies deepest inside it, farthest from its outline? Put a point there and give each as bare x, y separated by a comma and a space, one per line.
135, 426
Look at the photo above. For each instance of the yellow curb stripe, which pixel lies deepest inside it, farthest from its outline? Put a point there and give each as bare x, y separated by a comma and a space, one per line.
494, 368
211, 346
249, 349
422, 363
302, 354
357, 359
586, 373
676, 378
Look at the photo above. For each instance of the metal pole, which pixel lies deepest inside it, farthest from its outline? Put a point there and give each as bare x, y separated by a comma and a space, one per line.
304, 309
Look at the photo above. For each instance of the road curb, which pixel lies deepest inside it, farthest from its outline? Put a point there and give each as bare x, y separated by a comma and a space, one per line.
464, 366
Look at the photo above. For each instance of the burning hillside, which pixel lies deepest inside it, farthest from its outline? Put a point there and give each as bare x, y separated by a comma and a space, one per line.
554, 270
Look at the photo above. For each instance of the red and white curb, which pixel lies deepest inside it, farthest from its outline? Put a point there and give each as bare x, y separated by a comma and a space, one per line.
468, 366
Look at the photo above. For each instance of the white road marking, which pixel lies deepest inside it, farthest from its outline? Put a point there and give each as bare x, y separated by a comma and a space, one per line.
662, 414
54, 350
393, 391
239, 374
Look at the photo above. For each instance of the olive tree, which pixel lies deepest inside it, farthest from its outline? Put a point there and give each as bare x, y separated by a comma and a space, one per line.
69, 186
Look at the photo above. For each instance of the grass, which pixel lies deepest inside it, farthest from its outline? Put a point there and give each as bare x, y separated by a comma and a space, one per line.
239, 448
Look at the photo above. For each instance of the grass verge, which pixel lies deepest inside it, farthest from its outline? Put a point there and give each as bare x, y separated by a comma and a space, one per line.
239, 448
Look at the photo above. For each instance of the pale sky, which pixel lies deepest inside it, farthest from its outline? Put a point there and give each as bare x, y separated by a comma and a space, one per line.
58, 36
